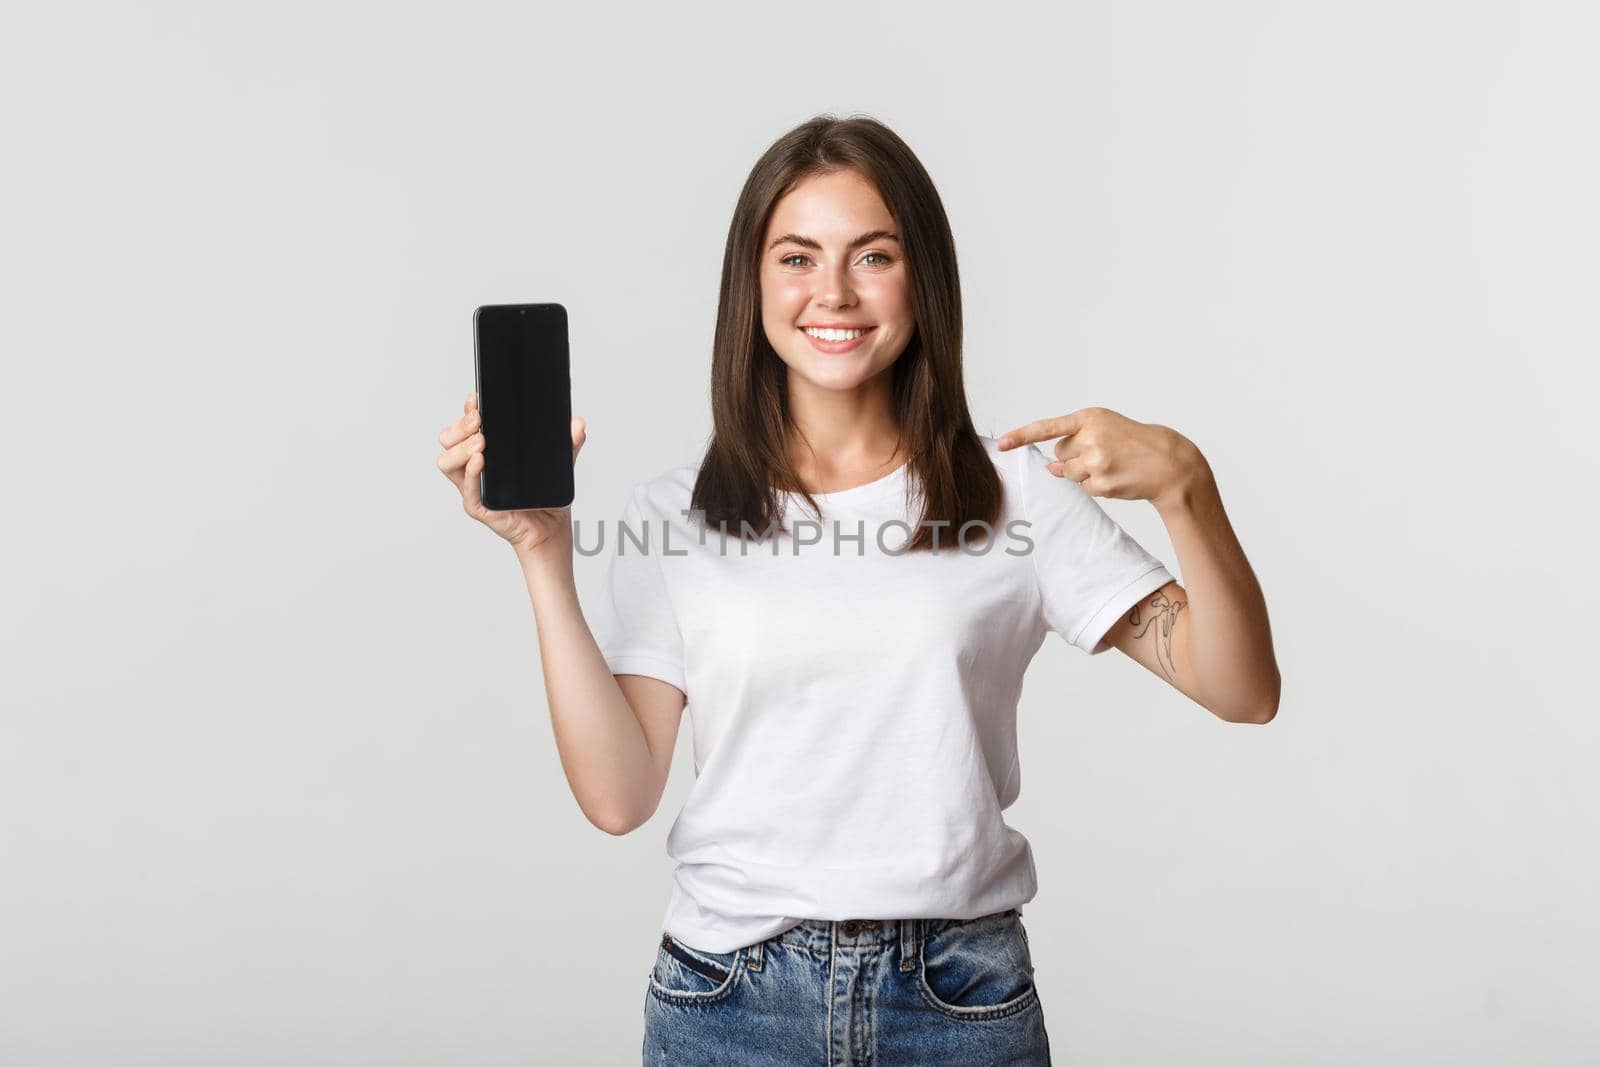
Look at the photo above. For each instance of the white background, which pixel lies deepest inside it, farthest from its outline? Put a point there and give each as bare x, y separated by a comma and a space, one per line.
277, 778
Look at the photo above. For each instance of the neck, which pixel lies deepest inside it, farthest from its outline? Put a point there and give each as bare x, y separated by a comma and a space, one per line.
843, 434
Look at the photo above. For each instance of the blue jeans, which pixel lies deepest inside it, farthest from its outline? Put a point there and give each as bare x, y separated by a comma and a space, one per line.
890, 993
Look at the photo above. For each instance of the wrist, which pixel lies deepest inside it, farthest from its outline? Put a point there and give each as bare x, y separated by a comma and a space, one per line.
1192, 484
553, 556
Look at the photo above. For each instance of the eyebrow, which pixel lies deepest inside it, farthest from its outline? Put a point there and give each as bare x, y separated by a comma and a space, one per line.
808, 242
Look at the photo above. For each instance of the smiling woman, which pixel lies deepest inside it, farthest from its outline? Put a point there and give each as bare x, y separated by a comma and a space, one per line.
841, 307
846, 887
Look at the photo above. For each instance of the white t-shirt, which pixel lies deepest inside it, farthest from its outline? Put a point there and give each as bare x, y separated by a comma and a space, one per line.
854, 708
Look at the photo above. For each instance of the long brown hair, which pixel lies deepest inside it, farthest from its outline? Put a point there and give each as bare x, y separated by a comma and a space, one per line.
747, 461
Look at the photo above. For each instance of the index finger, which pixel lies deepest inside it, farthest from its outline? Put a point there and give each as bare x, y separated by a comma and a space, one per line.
1040, 430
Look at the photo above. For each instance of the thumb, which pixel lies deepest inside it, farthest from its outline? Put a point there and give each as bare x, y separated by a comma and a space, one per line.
579, 435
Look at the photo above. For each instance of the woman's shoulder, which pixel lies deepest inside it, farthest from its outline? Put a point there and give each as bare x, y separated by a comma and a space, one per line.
1009, 463
667, 493
1023, 470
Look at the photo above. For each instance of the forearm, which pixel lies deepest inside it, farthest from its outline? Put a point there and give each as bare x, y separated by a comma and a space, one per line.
603, 748
1227, 641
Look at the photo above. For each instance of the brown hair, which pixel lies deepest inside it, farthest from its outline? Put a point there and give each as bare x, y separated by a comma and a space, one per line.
747, 461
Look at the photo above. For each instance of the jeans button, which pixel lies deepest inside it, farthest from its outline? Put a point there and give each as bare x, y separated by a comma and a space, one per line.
850, 929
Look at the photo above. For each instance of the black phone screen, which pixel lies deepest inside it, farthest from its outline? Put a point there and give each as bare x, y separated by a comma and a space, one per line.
525, 404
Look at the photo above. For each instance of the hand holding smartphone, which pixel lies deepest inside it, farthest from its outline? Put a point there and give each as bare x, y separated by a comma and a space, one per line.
523, 371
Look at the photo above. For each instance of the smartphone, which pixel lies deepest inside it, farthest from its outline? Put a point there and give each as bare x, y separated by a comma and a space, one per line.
525, 405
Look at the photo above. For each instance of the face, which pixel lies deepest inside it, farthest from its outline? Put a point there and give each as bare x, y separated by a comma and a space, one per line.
816, 270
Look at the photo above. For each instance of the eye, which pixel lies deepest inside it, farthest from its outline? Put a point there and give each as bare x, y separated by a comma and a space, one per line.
884, 258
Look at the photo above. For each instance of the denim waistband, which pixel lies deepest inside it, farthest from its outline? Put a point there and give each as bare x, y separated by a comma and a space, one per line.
825, 935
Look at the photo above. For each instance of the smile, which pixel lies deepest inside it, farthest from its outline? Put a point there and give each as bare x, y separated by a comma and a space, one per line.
835, 341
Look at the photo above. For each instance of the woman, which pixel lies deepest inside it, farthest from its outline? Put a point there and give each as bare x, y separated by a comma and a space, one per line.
847, 590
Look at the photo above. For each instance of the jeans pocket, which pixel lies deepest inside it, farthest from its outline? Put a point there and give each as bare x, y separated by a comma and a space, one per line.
683, 974
979, 969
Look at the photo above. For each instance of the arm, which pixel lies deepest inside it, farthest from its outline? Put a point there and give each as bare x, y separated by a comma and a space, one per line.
1211, 641
615, 733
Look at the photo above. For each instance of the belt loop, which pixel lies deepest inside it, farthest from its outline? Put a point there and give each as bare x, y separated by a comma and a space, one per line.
754, 957
908, 944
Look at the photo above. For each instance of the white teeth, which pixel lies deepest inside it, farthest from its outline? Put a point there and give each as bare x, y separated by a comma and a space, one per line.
834, 335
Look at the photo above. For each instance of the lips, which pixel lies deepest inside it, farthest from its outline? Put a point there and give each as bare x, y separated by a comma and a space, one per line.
834, 348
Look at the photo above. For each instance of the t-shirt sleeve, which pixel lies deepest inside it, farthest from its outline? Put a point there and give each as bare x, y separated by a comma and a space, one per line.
1090, 571
635, 626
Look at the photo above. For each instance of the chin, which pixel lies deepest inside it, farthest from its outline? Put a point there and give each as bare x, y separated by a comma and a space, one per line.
829, 376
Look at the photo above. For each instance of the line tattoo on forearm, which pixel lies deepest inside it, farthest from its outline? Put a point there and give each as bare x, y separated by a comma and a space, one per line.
1164, 617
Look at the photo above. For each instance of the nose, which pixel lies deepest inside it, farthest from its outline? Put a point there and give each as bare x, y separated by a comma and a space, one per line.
833, 287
